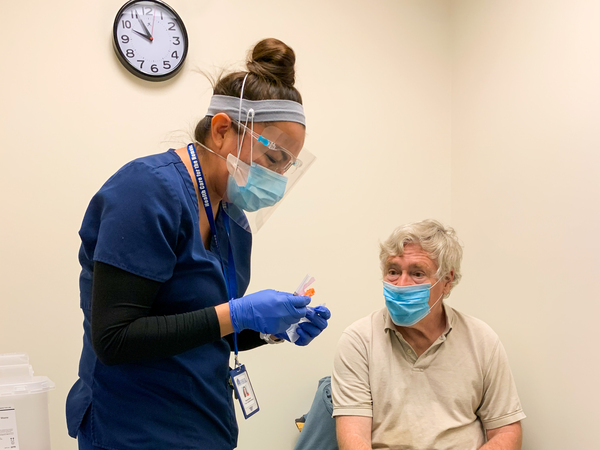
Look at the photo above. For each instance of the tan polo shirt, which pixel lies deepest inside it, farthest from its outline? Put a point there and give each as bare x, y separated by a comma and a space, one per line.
442, 400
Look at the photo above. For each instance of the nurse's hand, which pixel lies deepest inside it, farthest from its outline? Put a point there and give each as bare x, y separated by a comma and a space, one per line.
307, 331
268, 311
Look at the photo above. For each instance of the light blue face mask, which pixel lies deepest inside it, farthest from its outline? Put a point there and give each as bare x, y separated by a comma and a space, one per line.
408, 305
252, 187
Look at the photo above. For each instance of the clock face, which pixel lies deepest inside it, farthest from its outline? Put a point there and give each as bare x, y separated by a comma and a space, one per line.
150, 39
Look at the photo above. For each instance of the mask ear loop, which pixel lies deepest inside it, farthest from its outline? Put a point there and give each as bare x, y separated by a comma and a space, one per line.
249, 116
240, 139
437, 301
431, 287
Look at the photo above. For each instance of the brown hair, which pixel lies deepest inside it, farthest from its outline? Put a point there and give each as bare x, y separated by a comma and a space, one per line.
271, 75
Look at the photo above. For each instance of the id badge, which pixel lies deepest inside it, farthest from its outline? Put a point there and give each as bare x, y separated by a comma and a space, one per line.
244, 391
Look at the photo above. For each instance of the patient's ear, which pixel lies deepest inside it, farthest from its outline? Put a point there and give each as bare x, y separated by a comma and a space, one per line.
448, 279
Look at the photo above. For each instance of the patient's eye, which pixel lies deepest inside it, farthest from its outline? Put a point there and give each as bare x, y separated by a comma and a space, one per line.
392, 274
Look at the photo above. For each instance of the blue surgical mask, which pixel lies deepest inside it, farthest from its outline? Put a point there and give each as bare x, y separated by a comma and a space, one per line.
252, 187
408, 305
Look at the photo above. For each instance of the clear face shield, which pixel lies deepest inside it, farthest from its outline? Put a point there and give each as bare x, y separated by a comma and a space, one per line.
267, 166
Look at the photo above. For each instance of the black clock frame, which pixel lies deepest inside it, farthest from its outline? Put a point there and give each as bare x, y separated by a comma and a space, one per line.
125, 61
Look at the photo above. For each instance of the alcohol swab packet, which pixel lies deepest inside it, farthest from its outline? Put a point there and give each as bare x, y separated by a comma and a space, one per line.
302, 290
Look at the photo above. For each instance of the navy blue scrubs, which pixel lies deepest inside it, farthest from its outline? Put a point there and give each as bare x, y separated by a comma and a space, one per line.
144, 220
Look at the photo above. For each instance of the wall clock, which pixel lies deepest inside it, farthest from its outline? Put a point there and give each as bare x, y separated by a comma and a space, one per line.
150, 39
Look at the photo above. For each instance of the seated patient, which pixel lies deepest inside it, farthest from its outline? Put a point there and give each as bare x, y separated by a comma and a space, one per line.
418, 374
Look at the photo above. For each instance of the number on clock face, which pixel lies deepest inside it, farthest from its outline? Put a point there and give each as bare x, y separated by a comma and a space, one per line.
151, 38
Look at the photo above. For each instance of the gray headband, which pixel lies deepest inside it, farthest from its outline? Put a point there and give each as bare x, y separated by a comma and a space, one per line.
264, 110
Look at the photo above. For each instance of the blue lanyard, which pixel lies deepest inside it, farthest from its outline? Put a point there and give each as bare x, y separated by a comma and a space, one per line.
202, 188
230, 275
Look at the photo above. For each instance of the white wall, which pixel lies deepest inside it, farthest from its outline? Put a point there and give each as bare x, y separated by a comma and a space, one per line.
376, 83
482, 114
376, 87
525, 196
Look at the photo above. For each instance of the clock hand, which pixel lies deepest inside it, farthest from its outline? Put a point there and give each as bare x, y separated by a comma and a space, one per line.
149, 38
148, 35
153, 17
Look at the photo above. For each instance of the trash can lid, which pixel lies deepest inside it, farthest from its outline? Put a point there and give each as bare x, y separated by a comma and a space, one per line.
34, 385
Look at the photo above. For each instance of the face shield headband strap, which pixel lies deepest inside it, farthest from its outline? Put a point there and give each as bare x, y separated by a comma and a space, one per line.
264, 110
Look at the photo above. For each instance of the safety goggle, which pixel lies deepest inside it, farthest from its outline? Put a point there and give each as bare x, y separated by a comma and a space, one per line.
268, 148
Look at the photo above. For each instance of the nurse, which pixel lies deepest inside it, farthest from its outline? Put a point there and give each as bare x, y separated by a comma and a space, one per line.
165, 259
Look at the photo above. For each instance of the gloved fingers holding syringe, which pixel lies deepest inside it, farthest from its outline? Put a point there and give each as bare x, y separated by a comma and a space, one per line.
312, 324
316, 322
268, 311
283, 315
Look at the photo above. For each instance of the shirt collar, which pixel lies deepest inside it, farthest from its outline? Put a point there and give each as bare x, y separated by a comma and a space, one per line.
450, 315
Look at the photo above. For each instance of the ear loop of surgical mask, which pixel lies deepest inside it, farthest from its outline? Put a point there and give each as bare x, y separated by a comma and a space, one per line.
239, 146
249, 117
436, 302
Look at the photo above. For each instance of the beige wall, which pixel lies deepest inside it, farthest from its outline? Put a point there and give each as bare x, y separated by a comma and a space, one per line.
376, 87
525, 196
480, 114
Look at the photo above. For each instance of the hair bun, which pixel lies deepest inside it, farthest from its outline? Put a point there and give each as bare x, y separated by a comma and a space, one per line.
274, 61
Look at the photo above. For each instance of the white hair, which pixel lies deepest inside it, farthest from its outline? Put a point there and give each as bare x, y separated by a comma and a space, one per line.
438, 241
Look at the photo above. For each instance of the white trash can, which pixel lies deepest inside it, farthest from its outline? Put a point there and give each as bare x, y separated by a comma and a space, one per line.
24, 422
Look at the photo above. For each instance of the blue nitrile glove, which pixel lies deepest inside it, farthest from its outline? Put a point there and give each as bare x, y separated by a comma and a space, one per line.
267, 311
307, 331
